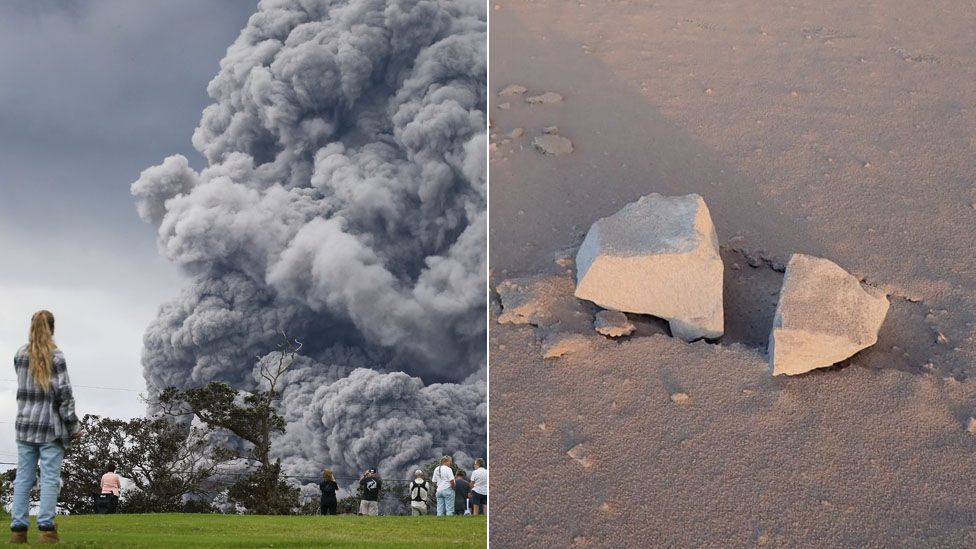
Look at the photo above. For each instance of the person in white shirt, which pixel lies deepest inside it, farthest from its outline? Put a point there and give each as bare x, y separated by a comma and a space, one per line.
443, 477
479, 488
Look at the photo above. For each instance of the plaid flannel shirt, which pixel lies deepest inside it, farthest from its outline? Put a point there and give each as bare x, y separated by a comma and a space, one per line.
44, 416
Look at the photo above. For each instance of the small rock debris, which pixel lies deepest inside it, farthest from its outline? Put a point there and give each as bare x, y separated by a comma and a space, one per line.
554, 145
513, 89
613, 324
581, 455
547, 98
678, 398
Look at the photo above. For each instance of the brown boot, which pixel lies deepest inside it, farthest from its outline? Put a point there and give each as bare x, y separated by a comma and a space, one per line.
18, 536
49, 536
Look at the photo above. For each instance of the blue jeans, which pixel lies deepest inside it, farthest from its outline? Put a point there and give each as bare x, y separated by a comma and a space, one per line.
445, 502
49, 456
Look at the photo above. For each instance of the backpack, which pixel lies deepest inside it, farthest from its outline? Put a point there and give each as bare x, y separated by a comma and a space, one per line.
419, 492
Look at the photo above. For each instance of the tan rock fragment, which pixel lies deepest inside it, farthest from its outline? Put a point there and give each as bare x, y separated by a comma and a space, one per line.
581, 454
559, 344
613, 324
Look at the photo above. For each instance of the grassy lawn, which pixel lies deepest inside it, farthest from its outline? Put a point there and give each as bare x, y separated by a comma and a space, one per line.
191, 530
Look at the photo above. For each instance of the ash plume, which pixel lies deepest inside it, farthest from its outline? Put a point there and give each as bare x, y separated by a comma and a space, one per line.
344, 202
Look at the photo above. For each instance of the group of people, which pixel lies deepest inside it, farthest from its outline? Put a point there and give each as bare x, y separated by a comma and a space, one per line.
453, 491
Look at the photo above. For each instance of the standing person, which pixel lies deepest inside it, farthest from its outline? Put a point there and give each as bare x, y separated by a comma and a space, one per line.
112, 486
371, 484
461, 489
46, 425
419, 492
479, 488
443, 477
329, 488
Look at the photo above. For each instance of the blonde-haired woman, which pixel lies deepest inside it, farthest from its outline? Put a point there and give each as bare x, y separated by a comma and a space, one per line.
46, 425
329, 488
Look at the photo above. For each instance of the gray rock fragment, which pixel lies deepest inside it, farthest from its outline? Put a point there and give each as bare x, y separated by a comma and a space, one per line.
657, 256
824, 316
513, 89
546, 98
553, 144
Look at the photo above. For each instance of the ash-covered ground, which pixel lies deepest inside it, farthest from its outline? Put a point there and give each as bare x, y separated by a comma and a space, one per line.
842, 131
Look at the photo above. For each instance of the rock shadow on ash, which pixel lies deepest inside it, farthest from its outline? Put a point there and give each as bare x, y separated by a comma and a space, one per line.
908, 342
752, 287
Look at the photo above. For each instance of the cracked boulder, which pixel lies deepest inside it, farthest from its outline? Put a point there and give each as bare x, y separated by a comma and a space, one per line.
824, 316
657, 256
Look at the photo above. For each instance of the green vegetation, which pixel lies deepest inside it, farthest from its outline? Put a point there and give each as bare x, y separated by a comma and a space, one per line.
193, 530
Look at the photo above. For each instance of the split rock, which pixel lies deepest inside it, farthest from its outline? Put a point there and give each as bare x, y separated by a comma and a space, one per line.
824, 315
657, 256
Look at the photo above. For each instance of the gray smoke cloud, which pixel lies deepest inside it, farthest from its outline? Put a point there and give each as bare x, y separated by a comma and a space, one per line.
344, 202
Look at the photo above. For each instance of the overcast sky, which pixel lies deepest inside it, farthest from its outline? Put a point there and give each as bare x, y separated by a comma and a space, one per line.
92, 93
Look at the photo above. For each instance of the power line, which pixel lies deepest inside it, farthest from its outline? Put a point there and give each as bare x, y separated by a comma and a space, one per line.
14, 381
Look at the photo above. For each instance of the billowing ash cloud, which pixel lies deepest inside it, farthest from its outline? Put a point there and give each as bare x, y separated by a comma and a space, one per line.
344, 202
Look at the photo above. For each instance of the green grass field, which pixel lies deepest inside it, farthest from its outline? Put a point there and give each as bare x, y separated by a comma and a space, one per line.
191, 530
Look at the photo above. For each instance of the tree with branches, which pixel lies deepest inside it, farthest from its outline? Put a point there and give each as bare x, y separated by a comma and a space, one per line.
168, 464
252, 417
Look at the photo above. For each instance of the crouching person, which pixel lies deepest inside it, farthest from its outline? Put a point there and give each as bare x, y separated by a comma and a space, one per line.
419, 492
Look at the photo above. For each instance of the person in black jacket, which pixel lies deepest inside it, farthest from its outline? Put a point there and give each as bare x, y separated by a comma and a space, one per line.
461, 490
371, 486
329, 488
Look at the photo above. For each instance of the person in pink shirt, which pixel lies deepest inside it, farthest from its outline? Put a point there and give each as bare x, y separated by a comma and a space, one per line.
111, 485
